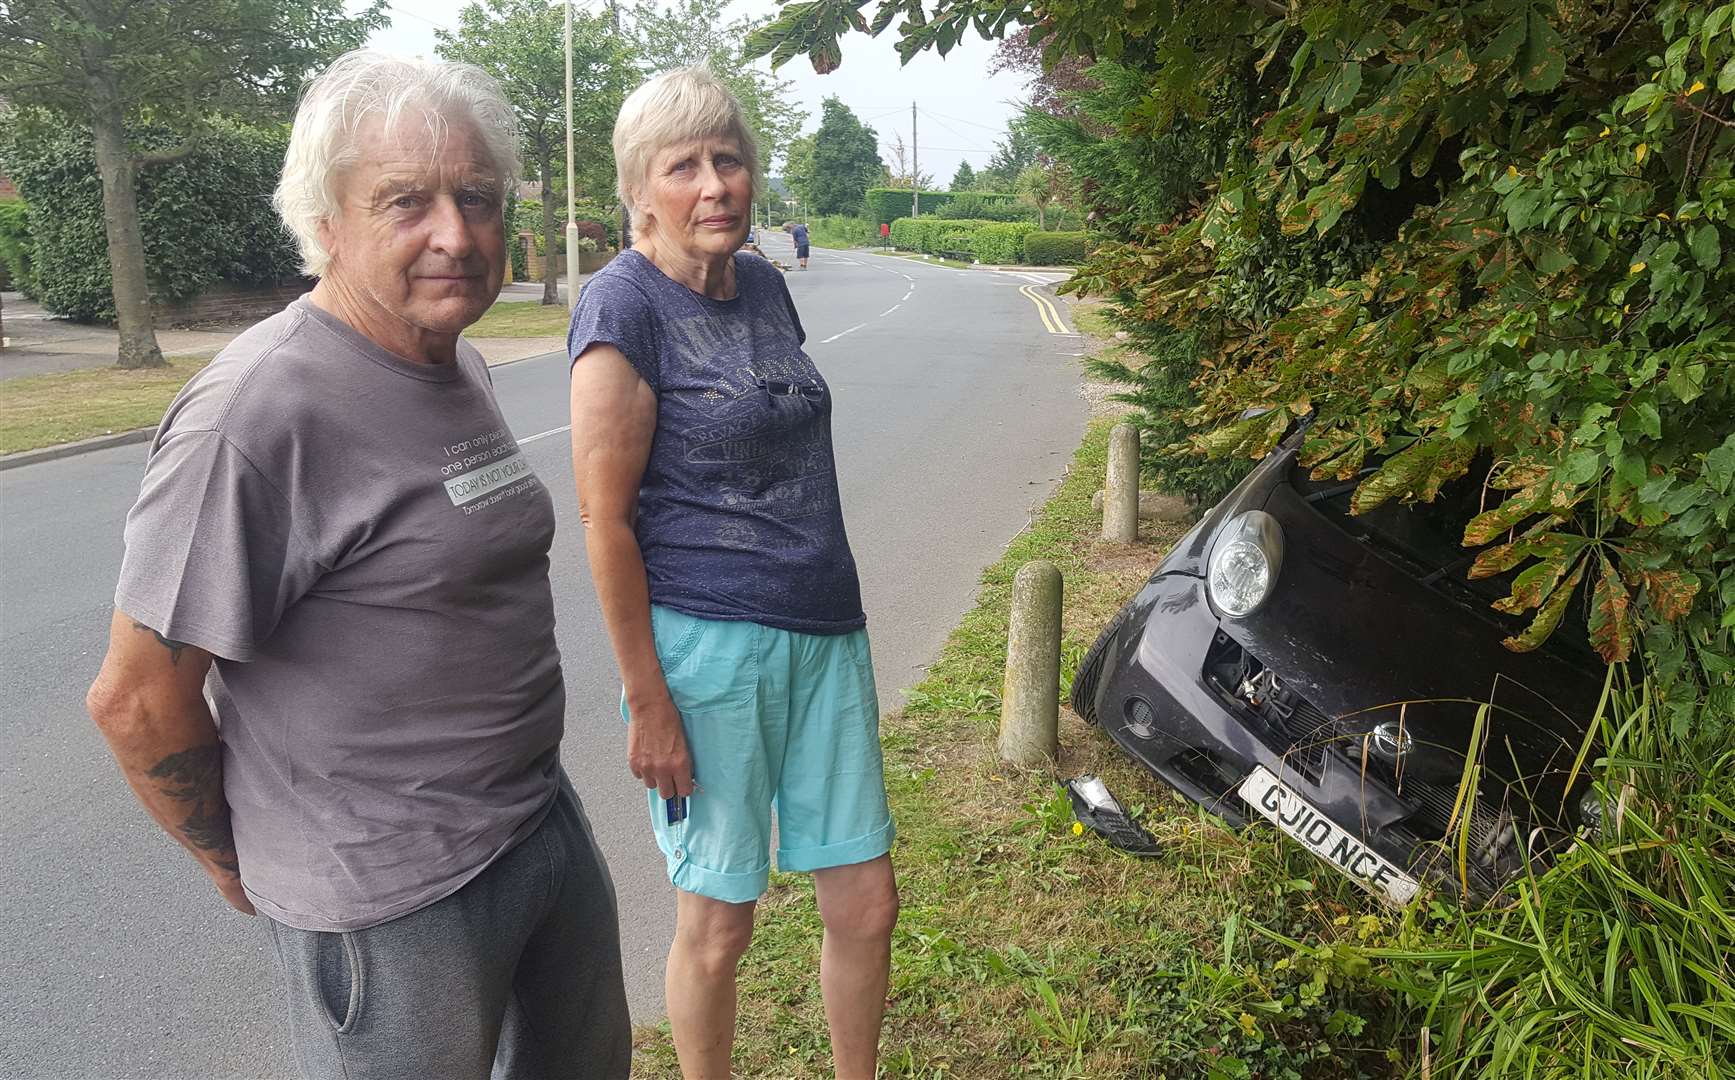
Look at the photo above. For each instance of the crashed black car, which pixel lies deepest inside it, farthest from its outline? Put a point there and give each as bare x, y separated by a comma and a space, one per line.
1326, 671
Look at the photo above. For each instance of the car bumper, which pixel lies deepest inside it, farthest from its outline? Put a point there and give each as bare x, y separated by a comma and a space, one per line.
1158, 699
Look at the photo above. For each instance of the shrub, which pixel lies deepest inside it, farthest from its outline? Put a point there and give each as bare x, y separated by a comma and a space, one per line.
889, 204
955, 244
16, 249
206, 217
988, 241
985, 206
1001, 241
1056, 248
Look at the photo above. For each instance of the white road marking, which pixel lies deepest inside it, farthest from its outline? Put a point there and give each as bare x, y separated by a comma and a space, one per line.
544, 434
907, 294
851, 330
889, 310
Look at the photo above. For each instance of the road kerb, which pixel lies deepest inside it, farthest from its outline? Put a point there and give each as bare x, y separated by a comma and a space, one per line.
82, 446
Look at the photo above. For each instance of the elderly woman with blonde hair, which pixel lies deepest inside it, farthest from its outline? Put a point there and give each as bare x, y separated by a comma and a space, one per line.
703, 454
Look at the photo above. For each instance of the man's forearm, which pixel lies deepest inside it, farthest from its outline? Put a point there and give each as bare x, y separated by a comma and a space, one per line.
183, 790
161, 732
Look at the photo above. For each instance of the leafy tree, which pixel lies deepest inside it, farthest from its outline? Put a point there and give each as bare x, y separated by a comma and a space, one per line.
689, 32
522, 44
798, 174
846, 161
109, 64
1041, 186
965, 178
1052, 82
1012, 155
1504, 233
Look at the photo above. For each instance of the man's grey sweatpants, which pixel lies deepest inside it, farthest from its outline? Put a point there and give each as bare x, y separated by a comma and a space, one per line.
517, 974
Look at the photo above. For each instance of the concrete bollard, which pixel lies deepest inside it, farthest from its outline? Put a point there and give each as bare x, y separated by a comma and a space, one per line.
1120, 504
1154, 506
1030, 698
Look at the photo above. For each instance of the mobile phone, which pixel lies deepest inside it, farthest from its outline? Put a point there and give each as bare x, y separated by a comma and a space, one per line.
676, 808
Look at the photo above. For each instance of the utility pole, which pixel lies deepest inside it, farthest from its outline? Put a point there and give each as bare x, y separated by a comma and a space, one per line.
571, 212
915, 168
614, 13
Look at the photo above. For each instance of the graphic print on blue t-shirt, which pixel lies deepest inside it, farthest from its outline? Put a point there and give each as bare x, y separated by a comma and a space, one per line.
739, 515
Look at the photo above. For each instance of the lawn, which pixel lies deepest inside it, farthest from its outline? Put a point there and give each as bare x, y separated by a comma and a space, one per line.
44, 410
521, 319
1027, 948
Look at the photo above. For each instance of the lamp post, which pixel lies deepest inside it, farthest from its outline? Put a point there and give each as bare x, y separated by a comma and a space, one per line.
571, 210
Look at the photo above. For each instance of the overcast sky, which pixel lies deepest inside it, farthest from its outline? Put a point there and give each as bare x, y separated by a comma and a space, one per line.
962, 111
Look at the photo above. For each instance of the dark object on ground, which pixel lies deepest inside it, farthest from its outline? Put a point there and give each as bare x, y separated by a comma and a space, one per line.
1103, 814
1333, 672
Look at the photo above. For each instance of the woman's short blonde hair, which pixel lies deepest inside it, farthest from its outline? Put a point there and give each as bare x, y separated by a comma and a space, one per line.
365, 83
676, 107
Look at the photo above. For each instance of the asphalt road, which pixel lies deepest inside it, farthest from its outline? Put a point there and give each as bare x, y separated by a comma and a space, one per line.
956, 412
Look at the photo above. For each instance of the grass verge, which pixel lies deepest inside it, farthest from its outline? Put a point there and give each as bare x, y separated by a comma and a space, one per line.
521, 319
46, 410
1027, 949
931, 260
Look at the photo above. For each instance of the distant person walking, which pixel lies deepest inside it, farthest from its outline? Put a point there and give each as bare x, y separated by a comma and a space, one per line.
800, 235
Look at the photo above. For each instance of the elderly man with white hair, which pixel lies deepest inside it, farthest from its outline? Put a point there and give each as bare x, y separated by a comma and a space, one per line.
338, 541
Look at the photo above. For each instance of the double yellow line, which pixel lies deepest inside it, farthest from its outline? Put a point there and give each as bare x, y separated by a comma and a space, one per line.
1046, 309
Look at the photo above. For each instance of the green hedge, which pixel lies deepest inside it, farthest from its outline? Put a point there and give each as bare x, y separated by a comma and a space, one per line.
16, 249
1056, 248
889, 204
986, 241
985, 206
206, 217
842, 231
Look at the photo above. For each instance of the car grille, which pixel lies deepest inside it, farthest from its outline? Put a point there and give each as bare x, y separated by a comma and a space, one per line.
1302, 733
1309, 734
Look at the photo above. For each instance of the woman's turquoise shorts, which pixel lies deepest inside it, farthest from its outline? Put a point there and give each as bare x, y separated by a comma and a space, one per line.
773, 718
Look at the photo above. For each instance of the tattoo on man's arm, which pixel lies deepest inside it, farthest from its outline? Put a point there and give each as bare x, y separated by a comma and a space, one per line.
173, 646
195, 776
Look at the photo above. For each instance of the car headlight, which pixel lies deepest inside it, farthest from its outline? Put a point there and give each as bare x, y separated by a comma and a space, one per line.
1245, 562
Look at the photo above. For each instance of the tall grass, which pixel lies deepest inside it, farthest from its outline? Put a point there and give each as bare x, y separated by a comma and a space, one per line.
1619, 960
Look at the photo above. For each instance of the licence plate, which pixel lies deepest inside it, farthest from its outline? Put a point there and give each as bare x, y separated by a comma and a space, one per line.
1326, 838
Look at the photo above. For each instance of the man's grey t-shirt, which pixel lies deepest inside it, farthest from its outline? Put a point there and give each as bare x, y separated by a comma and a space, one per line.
738, 514
359, 542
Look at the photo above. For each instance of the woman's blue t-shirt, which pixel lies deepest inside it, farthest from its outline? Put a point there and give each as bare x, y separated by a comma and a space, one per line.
738, 515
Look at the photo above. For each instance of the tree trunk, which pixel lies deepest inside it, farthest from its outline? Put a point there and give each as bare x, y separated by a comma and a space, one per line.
550, 229
1041, 219
126, 244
